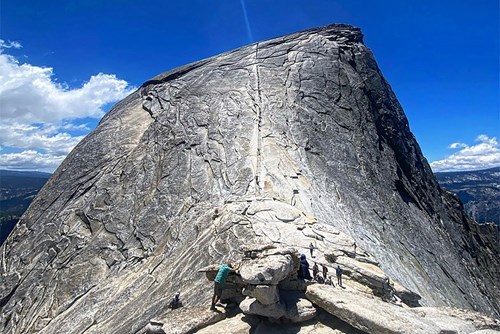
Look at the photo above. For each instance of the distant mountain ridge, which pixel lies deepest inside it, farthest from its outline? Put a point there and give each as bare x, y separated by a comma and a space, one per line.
17, 190
478, 190
36, 174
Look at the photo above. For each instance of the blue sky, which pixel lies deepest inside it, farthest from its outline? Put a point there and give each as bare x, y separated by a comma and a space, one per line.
64, 63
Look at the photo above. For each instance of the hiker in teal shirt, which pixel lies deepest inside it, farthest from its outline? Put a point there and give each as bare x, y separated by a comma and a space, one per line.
220, 280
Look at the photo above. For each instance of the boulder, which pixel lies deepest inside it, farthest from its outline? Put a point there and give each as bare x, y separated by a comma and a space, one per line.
211, 271
365, 273
368, 314
407, 296
291, 308
154, 327
253, 307
267, 270
300, 311
298, 308
265, 294
240, 323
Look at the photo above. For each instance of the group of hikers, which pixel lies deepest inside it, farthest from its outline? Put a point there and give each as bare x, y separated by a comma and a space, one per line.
304, 269
324, 278
303, 272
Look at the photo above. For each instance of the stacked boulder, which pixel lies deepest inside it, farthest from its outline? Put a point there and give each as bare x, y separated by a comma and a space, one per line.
262, 287
262, 272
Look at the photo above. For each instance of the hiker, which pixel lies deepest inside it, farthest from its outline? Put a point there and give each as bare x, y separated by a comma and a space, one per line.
338, 271
311, 249
304, 268
315, 270
219, 282
325, 271
387, 289
176, 301
355, 246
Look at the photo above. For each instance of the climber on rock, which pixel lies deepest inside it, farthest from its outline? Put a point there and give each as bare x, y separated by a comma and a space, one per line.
338, 272
325, 272
311, 249
220, 281
315, 270
304, 268
176, 301
387, 290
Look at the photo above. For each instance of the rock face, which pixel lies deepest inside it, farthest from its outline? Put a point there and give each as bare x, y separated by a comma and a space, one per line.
374, 316
290, 141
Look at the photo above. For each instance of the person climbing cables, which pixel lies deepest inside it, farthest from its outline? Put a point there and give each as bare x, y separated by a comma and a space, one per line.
338, 271
325, 272
176, 301
315, 270
304, 268
220, 281
311, 249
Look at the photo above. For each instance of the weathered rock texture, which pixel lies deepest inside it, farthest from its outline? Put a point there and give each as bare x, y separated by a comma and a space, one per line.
240, 148
372, 315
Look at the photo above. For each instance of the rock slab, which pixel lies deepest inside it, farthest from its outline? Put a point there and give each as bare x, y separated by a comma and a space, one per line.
368, 314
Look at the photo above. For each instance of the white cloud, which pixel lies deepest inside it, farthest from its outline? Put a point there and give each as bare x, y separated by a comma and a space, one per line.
30, 95
38, 113
457, 145
485, 154
48, 138
31, 160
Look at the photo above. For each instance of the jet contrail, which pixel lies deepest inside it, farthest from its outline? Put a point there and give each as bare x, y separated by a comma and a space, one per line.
249, 30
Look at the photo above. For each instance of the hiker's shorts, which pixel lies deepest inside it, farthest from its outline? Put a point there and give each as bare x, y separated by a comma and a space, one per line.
218, 289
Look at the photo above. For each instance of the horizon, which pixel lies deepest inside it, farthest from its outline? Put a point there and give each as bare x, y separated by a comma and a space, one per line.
55, 87
50, 173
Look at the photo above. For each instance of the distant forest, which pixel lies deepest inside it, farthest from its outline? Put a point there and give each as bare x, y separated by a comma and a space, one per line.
17, 190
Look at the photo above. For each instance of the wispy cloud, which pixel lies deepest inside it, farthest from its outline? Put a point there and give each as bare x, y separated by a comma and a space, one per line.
38, 113
9, 44
247, 21
457, 145
484, 154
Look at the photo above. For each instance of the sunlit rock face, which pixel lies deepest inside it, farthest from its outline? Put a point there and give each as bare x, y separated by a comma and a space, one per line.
238, 149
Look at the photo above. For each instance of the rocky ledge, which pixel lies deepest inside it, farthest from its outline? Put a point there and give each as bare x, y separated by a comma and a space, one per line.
266, 295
